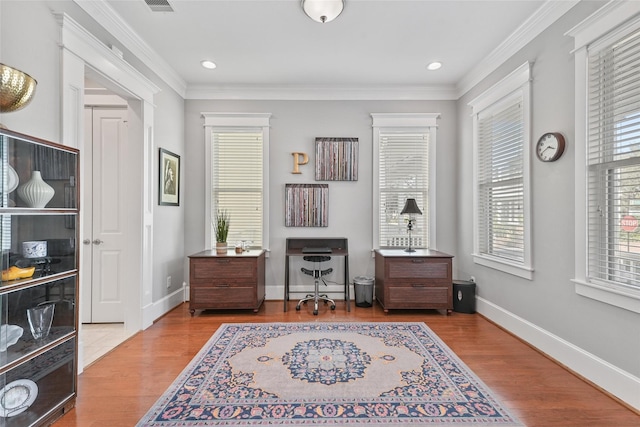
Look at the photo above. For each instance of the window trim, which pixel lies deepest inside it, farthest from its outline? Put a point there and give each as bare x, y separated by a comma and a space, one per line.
423, 122
230, 122
608, 23
518, 81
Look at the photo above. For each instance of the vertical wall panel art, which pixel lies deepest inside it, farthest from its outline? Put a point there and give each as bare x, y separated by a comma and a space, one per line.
306, 205
336, 159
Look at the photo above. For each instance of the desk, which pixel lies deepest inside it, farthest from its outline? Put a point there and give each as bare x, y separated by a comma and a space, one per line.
339, 247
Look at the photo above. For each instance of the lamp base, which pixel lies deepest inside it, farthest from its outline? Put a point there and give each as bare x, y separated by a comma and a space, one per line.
409, 250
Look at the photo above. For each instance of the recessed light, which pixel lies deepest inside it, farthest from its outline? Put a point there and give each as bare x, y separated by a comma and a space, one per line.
434, 66
208, 64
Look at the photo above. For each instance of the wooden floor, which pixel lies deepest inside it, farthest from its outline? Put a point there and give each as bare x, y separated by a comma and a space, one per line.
118, 389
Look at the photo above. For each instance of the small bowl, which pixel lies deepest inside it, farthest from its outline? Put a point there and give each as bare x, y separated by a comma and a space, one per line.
16, 89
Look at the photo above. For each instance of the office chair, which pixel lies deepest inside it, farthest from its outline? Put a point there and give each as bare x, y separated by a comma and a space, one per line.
317, 274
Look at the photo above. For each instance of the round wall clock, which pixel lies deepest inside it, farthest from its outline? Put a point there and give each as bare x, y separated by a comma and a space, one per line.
550, 146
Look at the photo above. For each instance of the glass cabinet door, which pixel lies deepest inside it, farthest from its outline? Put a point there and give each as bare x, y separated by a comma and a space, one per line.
37, 176
39, 278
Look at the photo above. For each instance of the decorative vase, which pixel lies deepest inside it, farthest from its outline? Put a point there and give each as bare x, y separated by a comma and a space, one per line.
221, 248
36, 193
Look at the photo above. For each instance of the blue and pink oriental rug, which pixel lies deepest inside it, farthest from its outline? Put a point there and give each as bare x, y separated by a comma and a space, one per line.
326, 374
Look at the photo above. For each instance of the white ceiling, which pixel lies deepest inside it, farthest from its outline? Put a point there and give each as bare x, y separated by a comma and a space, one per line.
264, 45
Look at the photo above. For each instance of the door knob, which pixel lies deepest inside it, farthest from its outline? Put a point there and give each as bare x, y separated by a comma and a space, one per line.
86, 241
97, 241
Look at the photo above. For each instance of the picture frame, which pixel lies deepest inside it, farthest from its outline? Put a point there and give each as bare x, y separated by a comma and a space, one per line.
168, 178
306, 205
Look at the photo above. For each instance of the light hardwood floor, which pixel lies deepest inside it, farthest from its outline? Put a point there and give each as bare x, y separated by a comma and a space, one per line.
119, 388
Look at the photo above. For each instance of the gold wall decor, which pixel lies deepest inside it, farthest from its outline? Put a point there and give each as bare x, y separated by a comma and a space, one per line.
298, 160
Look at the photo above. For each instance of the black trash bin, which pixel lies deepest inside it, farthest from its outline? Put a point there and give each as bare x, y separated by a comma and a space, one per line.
363, 288
464, 296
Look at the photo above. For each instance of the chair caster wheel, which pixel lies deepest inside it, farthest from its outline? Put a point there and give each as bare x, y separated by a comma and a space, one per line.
297, 308
315, 312
333, 307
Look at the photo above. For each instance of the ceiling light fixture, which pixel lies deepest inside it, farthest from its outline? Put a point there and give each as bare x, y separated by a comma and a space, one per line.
434, 66
323, 10
208, 64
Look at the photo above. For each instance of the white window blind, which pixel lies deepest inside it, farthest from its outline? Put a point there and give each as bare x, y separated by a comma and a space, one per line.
501, 182
613, 162
237, 184
403, 173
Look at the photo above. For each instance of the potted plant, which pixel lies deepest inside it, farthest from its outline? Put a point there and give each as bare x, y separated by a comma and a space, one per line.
221, 230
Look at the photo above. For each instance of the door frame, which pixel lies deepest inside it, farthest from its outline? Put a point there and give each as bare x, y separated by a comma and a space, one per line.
83, 54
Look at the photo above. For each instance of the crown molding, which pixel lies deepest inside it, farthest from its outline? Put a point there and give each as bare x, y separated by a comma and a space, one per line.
546, 15
322, 93
104, 14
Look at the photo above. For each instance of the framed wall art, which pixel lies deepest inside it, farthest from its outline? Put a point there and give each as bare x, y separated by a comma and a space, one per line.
336, 159
169, 178
306, 205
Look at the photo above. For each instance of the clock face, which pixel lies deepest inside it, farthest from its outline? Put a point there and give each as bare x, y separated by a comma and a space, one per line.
550, 147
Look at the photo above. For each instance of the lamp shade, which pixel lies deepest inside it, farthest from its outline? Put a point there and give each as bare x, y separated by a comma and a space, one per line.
411, 207
323, 10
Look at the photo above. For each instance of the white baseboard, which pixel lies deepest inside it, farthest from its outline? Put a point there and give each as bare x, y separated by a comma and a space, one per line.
614, 380
159, 308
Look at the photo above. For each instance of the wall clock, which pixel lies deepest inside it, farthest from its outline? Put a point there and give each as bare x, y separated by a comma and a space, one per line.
550, 146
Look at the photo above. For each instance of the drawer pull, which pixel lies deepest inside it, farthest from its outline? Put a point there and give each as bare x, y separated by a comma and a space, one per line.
419, 285
225, 261
417, 261
222, 285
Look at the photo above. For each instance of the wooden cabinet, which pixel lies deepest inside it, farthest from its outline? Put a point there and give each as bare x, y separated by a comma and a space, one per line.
39, 289
229, 281
414, 280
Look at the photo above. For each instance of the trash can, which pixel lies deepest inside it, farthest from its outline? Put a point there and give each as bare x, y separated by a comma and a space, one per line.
464, 296
363, 288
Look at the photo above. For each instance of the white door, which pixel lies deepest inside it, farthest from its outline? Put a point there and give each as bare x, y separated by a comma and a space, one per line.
103, 235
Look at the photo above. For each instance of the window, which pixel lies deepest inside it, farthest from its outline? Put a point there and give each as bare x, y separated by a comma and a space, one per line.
607, 57
404, 168
614, 162
237, 175
501, 193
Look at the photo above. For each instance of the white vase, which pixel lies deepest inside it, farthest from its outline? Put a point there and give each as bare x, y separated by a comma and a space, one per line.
36, 193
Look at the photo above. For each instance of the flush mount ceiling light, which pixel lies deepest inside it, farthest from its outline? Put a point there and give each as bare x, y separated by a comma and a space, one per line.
323, 10
208, 64
434, 66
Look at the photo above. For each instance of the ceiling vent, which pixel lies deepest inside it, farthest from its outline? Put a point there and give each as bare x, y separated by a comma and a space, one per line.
159, 5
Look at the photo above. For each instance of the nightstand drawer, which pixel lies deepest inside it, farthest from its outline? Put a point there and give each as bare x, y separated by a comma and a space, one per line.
236, 268
418, 268
222, 282
419, 296
222, 297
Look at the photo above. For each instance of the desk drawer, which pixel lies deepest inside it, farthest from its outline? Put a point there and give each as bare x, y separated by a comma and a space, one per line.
236, 268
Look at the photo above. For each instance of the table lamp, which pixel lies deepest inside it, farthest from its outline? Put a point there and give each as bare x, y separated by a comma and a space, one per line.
410, 208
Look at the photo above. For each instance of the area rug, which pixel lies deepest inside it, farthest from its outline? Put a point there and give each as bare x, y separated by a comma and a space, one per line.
327, 374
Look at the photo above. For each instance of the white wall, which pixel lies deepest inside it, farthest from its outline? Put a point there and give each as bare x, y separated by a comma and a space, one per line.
294, 127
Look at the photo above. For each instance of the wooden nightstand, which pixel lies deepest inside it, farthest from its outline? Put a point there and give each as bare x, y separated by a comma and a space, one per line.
230, 281
414, 280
